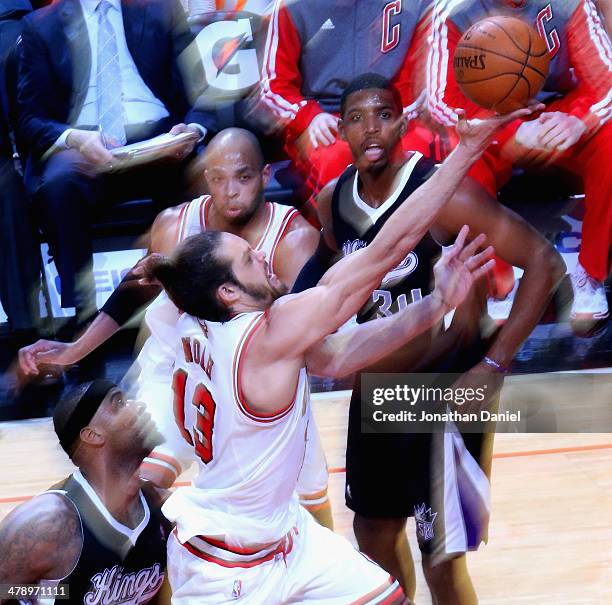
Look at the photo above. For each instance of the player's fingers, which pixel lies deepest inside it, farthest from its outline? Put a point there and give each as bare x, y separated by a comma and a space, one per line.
333, 124
518, 113
471, 248
328, 136
549, 131
565, 145
474, 262
48, 356
482, 271
556, 139
459, 241
26, 362
313, 138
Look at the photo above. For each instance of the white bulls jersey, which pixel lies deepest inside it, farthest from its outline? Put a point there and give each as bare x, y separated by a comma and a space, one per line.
156, 358
244, 492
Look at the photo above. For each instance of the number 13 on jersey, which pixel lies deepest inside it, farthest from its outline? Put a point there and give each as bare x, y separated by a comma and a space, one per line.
201, 434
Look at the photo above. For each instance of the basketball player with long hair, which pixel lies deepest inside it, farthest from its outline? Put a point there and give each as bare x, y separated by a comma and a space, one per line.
236, 175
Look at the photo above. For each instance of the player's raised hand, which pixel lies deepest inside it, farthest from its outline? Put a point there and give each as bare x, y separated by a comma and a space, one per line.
459, 267
476, 134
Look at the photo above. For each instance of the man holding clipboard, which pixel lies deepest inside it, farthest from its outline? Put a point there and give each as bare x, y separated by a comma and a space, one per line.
96, 75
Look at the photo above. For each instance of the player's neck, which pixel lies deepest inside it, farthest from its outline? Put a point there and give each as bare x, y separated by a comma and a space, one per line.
118, 489
375, 187
250, 231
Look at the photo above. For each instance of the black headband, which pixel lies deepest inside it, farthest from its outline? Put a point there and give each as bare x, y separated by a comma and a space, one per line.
84, 411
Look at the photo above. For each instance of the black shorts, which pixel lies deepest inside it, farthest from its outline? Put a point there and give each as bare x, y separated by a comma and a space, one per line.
410, 475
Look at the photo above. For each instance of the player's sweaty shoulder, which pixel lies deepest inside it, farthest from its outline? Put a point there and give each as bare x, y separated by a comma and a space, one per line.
164, 231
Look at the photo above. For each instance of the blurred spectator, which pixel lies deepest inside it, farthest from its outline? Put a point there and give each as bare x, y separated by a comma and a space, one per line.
97, 74
19, 252
314, 49
572, 133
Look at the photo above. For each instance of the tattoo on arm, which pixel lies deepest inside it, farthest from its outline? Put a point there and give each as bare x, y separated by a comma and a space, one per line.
39, 543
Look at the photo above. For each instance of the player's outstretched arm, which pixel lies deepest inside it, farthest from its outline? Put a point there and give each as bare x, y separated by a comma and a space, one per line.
40, 539
350, 350
131, 295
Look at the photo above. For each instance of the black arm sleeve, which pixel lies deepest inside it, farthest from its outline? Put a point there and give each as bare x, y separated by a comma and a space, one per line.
128, 298
315, 267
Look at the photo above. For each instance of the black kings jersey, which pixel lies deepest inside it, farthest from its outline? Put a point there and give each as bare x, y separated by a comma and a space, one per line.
118, 565
356, 224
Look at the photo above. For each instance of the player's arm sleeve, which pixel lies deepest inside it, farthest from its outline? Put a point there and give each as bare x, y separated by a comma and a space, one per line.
591, 57
444, 94
411, 79
128, 298
281, 80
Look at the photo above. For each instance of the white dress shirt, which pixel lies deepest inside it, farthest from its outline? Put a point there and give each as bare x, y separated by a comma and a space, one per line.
139, 103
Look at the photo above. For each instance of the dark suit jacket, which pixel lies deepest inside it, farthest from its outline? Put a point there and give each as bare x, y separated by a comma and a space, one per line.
56, 58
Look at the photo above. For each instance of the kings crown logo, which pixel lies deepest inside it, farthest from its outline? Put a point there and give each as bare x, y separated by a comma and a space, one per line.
424, 521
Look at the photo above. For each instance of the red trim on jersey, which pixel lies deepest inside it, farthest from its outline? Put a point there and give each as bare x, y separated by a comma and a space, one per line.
292, 214
238, 394
284, 547
181, 216
396, 597
271, 211
233, 549
204, 211
281, 82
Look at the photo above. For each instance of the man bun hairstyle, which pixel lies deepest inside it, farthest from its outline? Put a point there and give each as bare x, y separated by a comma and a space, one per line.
370, 81
192, 275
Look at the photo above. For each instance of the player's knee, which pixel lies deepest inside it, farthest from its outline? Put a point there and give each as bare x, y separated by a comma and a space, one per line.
448, 573
375, 534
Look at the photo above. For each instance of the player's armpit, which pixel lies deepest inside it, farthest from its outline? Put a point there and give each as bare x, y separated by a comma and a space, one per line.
40, 539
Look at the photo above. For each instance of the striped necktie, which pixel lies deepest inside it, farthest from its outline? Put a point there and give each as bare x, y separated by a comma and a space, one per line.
108, 81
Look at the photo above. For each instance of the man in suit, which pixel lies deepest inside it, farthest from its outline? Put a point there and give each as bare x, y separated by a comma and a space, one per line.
19, 253
96, 74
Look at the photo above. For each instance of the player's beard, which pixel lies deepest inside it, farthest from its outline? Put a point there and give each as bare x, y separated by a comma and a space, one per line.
265, 295
249, 213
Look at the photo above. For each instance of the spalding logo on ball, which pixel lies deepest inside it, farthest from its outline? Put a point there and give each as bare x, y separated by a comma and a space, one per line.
501, 63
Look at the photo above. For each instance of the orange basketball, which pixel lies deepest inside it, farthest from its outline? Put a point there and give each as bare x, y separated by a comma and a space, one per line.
500, 63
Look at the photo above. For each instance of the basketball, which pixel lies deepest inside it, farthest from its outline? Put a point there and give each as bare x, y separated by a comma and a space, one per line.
501, 63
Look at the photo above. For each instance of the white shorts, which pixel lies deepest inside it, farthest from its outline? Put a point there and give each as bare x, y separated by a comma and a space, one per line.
310, 565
